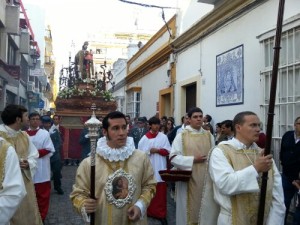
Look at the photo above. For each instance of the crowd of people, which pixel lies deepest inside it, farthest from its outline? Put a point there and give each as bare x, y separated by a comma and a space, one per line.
25, 189
226, 165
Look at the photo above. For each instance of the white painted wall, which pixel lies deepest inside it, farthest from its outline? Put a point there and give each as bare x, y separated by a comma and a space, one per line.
243, 30
190, 12
151, 85
150, 51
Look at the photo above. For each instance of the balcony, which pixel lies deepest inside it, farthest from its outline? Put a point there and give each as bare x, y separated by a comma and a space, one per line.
30, 86
12, 21
12, 70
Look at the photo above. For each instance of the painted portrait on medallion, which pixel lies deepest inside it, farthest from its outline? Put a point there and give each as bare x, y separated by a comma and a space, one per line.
230, 77
120, 187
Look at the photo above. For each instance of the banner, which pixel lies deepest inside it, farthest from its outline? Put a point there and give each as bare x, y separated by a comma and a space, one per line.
33, 99
37, 72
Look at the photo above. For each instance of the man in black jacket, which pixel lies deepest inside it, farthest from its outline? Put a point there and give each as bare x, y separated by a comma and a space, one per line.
290, 161
55, 160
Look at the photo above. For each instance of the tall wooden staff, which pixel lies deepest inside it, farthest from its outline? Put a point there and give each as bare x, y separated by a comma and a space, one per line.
261, 210
93, 125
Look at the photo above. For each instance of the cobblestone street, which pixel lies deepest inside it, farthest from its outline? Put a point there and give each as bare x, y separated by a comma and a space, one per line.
61, 211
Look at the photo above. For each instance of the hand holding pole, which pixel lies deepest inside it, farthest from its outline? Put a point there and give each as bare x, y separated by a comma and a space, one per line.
93, 125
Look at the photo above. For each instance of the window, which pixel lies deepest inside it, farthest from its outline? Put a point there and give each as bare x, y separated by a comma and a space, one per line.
287, 104
133, 104
11, 54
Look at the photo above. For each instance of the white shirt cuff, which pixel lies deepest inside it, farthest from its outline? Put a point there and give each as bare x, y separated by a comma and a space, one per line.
142, 207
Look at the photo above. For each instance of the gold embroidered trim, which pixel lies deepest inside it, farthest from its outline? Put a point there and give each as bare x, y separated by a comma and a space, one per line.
118, 165
3, 152
188, 204
78, 203
110, 215
248, 211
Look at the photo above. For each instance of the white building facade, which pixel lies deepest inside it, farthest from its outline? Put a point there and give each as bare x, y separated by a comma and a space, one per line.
228, 56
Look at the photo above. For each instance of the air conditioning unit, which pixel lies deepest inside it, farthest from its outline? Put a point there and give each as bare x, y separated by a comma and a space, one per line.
30, 86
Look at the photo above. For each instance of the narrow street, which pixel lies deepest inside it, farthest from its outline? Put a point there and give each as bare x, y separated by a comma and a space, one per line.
61, 211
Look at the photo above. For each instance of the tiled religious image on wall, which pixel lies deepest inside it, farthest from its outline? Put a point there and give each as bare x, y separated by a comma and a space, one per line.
230, 77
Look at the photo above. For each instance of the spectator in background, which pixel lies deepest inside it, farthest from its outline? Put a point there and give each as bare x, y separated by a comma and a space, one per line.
207, 124
290, 161
163, 129
55, 161
84, 141
218, 133
61, 129
226, 130
138, 132
170, 126
135, 122
173, 120
185, 122
163, 120
129, 124
179, 128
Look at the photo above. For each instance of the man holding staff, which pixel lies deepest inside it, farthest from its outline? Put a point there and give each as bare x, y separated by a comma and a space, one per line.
116, 158
235, 169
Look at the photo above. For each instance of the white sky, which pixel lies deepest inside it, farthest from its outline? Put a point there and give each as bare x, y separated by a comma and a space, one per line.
72, 20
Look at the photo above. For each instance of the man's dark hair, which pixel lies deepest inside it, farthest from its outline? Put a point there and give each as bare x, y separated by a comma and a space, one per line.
193, 110
296, 120
55, 115
154, 120
240, 118
112, 115
219, 125
228, 124
208, 117
46, 119
182, 119
11, 113
33, 114
164, 118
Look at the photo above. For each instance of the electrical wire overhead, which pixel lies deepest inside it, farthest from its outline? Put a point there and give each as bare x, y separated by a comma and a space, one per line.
147, 5
154, 6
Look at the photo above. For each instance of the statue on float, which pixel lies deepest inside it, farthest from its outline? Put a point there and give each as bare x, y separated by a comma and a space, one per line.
84, 66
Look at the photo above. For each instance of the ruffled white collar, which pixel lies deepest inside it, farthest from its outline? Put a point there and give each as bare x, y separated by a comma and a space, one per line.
115, 154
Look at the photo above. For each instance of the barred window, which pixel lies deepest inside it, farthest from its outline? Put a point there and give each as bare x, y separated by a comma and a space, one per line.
287, 104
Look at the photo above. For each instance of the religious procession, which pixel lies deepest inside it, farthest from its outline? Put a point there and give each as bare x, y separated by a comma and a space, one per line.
134, 129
